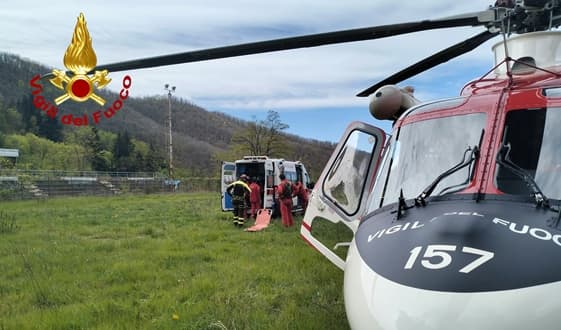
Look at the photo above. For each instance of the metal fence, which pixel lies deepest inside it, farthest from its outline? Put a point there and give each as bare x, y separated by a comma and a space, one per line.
28, 184
55, 173
199, 184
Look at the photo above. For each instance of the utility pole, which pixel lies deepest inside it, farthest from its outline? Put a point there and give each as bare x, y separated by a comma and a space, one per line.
170, 90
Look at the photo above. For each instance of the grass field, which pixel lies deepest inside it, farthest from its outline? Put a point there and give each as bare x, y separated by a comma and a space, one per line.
158, 262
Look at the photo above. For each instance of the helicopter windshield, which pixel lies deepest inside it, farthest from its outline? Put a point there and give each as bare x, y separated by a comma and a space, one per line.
533, 136
424, 150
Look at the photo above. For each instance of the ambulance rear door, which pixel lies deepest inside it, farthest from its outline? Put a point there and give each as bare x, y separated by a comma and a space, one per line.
269, 185
228, 176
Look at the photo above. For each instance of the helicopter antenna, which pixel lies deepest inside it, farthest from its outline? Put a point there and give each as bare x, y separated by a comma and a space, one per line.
507, 56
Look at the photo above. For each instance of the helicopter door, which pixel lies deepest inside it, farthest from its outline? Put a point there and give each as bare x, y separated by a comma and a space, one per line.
338, 199
228, 176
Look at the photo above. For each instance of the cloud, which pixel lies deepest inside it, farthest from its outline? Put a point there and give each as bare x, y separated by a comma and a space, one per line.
323, 77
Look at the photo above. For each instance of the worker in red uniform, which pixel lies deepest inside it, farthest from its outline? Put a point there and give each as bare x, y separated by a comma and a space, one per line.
254, 197
285, 192
239, 190
302, 193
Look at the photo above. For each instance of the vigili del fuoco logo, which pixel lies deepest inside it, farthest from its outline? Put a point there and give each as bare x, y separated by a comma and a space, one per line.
81, 85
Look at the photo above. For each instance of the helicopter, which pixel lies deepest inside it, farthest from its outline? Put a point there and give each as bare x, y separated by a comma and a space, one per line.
455, 215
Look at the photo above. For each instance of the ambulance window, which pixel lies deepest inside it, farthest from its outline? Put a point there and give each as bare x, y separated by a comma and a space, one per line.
270, 178
290, 176
228, 173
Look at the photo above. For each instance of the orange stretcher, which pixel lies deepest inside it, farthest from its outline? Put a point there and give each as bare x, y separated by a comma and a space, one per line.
262, 220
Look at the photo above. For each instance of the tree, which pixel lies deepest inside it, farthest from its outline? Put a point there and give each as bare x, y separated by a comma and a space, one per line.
43, 154
50, 128
10, 120
261, 137
36, 122
98, 157
153, 161
123, 145
123, 153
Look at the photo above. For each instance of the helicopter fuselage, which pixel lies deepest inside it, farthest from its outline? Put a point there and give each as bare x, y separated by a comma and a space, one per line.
480, 246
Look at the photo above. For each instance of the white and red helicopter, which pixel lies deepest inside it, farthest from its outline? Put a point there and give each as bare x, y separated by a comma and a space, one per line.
454, 215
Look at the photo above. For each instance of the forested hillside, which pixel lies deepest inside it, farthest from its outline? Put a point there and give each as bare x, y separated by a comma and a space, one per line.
201, 138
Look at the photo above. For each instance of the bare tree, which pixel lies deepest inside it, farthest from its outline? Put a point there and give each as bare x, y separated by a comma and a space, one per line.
261, 137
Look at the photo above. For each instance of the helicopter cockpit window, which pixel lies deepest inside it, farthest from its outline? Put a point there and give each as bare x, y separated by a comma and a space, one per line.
345, 181
532, 137
439, 105
424, 150
552, 92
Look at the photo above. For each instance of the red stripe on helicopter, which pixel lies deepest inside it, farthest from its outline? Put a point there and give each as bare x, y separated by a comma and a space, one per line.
309, 243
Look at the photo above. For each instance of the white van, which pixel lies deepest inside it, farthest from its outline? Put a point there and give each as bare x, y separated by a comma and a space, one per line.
266, 171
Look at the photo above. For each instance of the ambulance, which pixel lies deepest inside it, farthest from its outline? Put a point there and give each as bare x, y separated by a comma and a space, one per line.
266, 171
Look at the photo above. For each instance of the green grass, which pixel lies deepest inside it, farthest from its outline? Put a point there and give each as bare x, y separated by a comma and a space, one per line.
133, 262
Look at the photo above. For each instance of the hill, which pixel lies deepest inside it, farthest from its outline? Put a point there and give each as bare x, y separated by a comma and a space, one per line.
199, 135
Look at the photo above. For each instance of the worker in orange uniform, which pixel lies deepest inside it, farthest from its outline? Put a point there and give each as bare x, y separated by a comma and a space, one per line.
239, 190
285, 192
254, 197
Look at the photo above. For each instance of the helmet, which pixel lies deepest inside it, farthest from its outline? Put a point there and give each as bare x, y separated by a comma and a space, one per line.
244, 177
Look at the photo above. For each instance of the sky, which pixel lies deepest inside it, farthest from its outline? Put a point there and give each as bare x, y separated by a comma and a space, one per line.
312, 89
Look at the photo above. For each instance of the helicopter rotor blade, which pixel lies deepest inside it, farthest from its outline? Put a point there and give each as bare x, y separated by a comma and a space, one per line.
431, 61
313, 40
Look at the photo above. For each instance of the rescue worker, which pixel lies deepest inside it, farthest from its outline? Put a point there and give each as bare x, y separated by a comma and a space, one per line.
302, 193
254, 197
239, 190
285, 192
